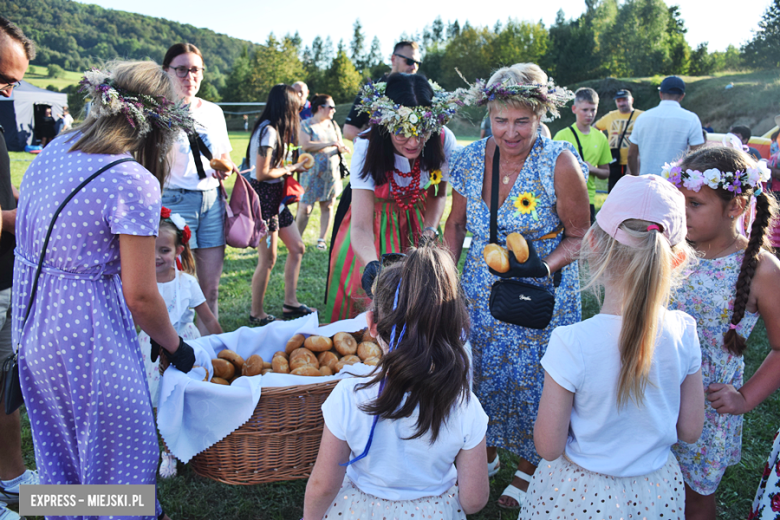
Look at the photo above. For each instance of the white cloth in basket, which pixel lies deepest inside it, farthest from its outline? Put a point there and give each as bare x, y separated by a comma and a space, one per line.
193, 414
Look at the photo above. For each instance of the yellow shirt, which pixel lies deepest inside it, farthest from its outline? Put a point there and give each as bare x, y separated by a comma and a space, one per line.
614, 123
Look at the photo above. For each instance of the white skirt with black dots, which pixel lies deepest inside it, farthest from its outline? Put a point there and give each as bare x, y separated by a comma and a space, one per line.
353, 503
562, 489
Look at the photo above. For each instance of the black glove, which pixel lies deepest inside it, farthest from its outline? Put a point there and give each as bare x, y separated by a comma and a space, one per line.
534, 267
369, 275
183, 358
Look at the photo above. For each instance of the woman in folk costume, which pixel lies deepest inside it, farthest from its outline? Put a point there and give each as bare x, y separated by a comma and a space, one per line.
399, 175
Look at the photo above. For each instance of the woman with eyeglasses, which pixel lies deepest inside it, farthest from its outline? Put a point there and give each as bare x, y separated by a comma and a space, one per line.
320, 136
399, 185
193, 188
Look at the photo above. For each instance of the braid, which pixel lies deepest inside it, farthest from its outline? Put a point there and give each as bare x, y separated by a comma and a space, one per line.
765, 211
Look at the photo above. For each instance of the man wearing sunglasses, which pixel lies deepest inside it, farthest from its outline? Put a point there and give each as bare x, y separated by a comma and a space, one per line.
16, 52
406, 59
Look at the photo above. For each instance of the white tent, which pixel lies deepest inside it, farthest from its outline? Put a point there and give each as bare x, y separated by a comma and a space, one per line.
17, 112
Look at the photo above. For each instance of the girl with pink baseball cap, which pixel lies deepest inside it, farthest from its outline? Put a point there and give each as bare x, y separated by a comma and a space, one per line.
622, 387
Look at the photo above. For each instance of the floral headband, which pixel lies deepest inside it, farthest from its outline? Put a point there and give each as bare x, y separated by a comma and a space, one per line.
416, 121
142, 112
549, 96
182, 229
731, 181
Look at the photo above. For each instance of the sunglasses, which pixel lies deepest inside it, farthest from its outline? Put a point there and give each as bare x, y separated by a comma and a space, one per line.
329, 107
409, 61
183, 71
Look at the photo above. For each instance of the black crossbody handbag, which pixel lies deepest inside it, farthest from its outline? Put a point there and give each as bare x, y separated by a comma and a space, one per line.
513, 301
12, 387
343, 170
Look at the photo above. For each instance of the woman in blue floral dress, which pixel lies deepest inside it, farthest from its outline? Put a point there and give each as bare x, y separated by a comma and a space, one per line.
542, 195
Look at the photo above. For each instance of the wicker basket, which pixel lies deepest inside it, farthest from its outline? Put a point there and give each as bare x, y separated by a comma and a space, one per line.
279, 442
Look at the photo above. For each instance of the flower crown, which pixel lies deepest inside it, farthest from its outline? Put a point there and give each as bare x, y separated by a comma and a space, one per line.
549, 96
416, 121
731, 181
182, 229
142, 112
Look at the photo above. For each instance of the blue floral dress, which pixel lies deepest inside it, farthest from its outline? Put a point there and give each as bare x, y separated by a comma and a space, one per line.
508, 378
708, 295
323, 181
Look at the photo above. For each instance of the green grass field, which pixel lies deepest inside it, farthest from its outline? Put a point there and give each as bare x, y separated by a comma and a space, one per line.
192, 497
39, 76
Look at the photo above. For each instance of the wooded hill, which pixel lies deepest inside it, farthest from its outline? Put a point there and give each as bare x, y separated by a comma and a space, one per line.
78, 36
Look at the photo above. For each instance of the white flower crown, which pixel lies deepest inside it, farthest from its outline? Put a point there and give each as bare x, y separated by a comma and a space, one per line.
419, 121
731, 181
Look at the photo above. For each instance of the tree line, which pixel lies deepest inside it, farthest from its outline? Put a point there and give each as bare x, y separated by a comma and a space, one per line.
612, 38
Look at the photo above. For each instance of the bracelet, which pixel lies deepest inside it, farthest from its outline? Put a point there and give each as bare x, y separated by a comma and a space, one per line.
435, 231
548, 268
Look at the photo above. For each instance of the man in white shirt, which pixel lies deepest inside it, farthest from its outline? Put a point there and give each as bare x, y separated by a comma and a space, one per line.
664, 133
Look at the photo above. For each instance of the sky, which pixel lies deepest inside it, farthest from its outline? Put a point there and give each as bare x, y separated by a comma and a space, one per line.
706, 20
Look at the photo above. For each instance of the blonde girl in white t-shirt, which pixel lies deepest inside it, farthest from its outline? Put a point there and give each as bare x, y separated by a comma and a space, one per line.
623, 386
399, 433
175, 266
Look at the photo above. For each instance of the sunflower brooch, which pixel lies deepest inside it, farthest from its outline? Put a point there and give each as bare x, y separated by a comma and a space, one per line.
525, 204
435, 179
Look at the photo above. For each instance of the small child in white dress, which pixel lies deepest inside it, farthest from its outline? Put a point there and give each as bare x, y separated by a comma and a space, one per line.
183, 298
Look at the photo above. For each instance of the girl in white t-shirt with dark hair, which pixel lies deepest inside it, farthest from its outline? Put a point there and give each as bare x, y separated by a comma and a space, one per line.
622, 387
399, 433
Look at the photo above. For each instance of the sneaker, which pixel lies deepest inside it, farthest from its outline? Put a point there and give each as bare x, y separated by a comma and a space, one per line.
7, 514
10, 494
167, 465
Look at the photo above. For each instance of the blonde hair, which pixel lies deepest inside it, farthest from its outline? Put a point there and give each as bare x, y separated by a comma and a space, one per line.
643, 276
518, 74
113, 135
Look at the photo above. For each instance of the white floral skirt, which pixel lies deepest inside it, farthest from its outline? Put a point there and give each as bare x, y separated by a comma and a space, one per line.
562, 489
188, 331
353, 503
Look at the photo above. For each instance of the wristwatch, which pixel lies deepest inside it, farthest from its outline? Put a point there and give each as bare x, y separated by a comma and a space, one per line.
431, 228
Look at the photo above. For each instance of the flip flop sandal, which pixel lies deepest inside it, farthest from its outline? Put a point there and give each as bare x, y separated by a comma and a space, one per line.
516, 493
321, 245
494, 467
261, 322
289, 312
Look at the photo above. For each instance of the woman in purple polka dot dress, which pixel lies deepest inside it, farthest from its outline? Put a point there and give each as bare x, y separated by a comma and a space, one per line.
80, 363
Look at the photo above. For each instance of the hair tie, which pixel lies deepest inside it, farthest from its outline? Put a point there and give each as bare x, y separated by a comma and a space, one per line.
732, 326
654, 226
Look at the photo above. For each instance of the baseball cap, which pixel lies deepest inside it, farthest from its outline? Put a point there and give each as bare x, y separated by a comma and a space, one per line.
623, 92
672, 85
647, 197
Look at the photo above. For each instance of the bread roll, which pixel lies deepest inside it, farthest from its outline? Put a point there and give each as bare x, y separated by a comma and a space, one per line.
219, 381
267, 371
266, 365
223, 368
253, 365
307, 159
306, 370
367, 336
294, 342
280, 365
496, 257
301, 357
234, 358
359, 335
344, 343
372, 361
326, 371
280, 353
318, 343
328, 359
221, 165
517, 244
367, 350
346, 361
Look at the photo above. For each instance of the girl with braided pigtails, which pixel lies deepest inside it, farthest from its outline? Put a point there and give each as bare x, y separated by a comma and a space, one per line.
736, 281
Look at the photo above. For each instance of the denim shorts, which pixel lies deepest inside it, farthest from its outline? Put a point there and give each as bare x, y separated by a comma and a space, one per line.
204, 212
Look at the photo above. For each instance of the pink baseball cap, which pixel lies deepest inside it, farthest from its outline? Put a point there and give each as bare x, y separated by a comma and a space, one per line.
647, 197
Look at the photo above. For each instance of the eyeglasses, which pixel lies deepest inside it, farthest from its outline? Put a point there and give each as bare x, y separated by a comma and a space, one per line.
183, 71
329, 107
409, 61
10, 86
